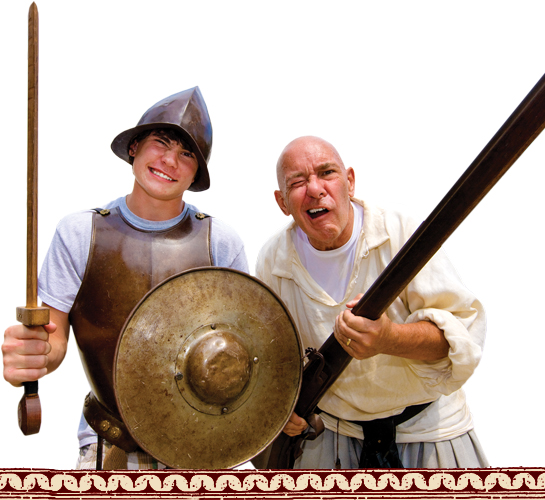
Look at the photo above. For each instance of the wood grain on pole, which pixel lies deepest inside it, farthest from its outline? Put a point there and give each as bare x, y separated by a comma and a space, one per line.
327, 364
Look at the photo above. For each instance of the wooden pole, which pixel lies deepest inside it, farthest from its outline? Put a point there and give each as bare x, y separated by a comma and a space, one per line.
327, 364
29, 407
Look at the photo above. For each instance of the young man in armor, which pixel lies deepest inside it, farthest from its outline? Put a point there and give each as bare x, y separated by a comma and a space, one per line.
102, 262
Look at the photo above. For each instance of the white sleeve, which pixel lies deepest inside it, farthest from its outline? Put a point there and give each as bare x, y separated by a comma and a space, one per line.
437, 295
227, 247
64, 265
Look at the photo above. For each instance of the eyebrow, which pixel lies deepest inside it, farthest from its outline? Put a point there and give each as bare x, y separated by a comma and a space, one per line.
324, 166
327, 165
160, 138
170, 142
294, 176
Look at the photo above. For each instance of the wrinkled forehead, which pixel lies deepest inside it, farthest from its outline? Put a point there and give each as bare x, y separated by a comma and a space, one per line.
303, 157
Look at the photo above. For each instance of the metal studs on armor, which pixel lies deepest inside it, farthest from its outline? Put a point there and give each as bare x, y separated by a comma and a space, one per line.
200, 215
115, 432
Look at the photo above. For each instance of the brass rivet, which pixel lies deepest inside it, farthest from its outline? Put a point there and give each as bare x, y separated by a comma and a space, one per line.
104, 425
115, 432
256, 360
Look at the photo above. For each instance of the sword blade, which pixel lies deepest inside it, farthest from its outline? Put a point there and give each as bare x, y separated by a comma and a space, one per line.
32, 159
29, 410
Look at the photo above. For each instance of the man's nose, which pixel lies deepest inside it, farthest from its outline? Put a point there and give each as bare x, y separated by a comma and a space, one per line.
315, 188
169, 157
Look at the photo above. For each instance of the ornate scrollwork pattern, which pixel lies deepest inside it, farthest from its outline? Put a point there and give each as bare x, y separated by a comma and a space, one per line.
360, 484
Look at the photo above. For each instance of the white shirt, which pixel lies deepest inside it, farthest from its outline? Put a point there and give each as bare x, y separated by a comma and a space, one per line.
64, 265
384, 385
331, 269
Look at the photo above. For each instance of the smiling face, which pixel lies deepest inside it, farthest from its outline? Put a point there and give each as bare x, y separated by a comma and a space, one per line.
163, 170
315, 189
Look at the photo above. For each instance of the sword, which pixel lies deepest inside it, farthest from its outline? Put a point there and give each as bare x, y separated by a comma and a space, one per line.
29, 411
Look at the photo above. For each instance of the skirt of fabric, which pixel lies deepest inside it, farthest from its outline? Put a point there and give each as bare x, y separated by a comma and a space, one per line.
134, 461
87, 459
462, 452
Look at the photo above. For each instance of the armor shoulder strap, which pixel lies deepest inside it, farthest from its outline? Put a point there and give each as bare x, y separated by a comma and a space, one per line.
101, 211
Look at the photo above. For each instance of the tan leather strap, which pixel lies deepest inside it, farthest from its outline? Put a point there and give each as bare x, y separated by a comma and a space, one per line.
115, 459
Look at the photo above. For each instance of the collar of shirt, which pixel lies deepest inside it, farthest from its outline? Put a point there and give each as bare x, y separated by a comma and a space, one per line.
288, 265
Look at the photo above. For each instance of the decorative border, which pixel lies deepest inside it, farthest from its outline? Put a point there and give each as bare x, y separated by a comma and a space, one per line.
360, 484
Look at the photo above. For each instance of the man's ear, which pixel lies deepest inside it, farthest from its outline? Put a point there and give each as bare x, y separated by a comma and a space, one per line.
351, 175
281, 203
132, 149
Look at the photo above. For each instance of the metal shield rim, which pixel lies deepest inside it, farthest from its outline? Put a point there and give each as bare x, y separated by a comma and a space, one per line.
128, 415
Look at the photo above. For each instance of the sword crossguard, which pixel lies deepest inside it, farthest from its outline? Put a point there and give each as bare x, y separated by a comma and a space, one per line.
33, 316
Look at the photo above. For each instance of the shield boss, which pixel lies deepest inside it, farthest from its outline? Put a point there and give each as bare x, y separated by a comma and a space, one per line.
208, 369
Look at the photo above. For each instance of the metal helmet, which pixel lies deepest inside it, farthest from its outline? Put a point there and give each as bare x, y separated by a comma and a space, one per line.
185, 112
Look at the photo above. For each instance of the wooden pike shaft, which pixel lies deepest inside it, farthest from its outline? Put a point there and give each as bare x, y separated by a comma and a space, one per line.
511, 140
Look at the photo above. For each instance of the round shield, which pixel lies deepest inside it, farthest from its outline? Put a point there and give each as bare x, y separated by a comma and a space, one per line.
208, 369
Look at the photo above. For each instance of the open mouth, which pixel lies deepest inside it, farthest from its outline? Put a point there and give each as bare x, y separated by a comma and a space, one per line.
162, 175
317, 212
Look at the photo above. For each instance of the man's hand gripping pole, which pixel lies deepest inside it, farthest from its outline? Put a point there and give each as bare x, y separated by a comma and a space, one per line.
30, 412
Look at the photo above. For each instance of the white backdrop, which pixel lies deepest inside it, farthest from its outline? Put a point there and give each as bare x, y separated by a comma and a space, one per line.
409, 92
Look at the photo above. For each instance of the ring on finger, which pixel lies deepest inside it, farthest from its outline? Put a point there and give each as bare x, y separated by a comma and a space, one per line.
348, 342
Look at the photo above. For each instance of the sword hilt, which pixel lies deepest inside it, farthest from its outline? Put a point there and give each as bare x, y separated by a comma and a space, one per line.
29, 411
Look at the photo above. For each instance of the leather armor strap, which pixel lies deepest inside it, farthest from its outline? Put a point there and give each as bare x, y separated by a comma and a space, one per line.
107, 425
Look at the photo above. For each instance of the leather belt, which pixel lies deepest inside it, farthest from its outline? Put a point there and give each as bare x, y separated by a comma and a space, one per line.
107, 425
379, 447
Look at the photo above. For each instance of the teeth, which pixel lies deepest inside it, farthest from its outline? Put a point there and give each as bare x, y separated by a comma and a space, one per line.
160, 174
316, 210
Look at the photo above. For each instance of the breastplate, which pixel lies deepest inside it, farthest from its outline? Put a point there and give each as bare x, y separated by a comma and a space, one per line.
124, 264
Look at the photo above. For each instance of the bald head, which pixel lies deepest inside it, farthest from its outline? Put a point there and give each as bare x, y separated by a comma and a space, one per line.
315, 189
303, 148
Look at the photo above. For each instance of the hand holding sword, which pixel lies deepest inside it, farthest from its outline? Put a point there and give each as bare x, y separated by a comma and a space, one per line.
32, 315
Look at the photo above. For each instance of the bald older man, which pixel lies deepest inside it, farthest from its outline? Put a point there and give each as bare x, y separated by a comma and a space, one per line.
399, 403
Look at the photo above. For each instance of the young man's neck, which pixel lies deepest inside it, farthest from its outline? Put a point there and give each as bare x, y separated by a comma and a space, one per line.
154, 210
